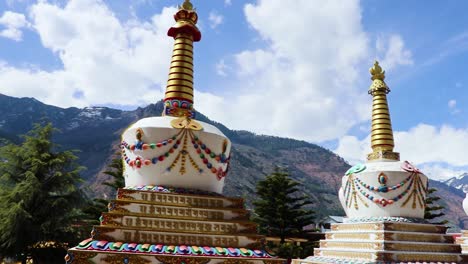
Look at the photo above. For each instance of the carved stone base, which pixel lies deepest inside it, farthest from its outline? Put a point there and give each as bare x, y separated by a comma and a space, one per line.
151, 226
463, 241
388, 242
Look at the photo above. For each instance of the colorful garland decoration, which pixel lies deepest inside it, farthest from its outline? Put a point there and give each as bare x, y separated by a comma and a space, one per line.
205, 154
414, 187
106, 246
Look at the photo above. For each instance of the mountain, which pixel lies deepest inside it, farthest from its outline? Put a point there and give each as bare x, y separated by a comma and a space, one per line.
95, 132
460, 182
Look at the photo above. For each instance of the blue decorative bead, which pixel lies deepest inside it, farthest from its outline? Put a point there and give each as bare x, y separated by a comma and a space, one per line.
175, 146
126, 261
139, 145
203, 146
209, 165
164, 142
154, 160
195, 146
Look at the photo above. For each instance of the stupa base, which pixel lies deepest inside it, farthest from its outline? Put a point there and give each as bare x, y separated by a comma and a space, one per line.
463, 242
155, 224
387, 242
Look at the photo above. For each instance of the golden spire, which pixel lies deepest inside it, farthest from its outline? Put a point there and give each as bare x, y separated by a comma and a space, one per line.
178, 100
382, 134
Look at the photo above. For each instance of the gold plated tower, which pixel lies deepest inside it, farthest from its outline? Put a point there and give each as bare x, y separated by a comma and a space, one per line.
382, 134
178, 99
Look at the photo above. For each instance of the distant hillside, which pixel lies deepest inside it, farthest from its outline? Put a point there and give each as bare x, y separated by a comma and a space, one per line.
96, 131
460, 182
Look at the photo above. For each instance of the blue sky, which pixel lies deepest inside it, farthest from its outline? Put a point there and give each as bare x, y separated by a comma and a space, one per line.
295, 68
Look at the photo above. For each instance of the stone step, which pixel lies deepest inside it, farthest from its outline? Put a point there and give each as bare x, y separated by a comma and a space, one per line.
390, 246
179, 199
95, 251
390, 256
389, 236
168, 224
390, 226
192, 213
177, 238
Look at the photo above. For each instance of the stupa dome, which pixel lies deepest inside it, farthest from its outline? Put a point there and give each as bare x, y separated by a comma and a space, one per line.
384, 186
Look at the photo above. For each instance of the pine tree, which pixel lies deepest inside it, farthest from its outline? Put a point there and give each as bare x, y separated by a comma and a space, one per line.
280, 210
433, 210
115, 169
39, 193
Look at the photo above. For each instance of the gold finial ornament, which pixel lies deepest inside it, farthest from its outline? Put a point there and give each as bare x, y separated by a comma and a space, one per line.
382, 142
186, 5
178, 99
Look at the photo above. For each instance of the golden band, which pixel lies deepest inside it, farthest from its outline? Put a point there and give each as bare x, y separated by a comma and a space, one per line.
381, 116
179, 95
183, 40
185, 58
182, 52
181, 64
179, 89
179, 82
382, 142
183, 46
376, 127
174, 75
181, 70
377, 111
381, 137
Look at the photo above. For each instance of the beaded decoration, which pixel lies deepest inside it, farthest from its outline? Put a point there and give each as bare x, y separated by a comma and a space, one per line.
414, 188
179, 146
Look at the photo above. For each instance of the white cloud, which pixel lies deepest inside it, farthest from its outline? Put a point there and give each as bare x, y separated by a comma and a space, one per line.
221, 68
227, 2
452, 104
309, 79
104, 60
13, 23
425, 145
303, 83
215, 19
394, 53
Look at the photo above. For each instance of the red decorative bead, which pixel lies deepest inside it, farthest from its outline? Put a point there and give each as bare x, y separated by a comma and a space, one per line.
161, 158
158, 145
214, 170
169, 140
131, 163
132, 147
207, 151
145, 146
198, 150
218, 158
205, 160
147, 162
171, 150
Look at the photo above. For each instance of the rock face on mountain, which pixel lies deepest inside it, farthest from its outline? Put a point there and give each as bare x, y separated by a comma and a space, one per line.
95, 132
460, 182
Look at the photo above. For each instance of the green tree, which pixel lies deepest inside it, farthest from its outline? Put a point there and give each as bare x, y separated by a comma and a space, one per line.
280, 209
39, 193
115, 170
434, 210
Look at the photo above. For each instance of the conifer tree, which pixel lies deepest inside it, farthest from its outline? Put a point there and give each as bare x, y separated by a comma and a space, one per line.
115, 169
433, 210
39, 193
279, 210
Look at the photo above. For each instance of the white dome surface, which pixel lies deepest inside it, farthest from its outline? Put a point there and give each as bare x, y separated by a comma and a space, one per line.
384, 189
162, 159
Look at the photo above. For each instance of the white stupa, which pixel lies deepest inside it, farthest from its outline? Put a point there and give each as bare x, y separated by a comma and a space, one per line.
384, 201
171, 210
